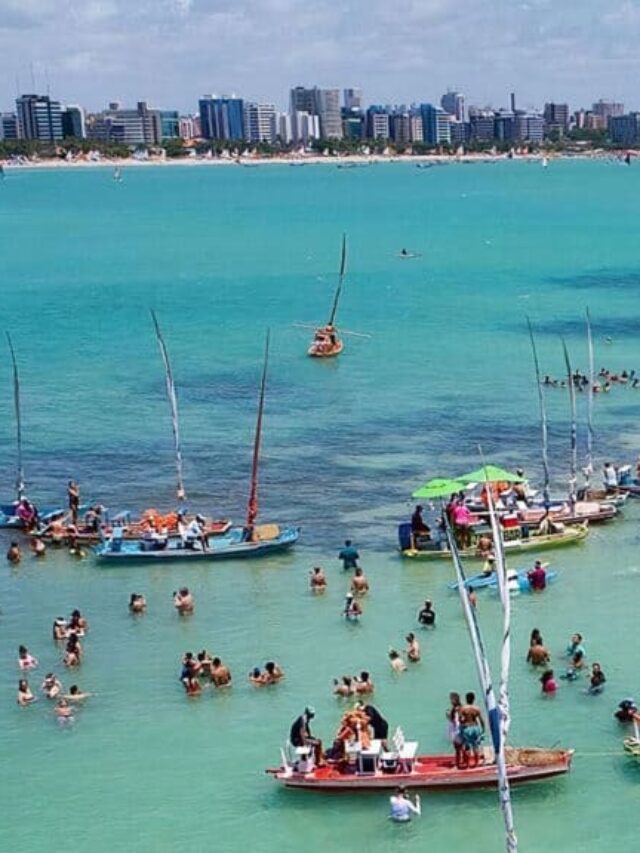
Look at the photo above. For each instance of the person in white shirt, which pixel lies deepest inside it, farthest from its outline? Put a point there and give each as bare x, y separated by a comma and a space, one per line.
402, 809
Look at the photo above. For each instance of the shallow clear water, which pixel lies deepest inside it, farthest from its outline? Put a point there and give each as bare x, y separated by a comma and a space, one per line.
222, 253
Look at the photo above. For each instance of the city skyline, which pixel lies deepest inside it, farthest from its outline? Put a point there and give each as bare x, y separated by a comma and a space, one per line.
172, 53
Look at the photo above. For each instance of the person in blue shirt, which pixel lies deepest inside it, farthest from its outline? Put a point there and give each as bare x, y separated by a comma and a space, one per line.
349, 556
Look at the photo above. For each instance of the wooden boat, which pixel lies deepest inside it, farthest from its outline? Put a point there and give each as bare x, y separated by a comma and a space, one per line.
251, 540
517, 539
61, 531
326, 343
425, 772
594, 512
520, 581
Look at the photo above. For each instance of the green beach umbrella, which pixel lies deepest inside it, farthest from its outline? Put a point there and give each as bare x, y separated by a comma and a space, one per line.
438, 488
491, 474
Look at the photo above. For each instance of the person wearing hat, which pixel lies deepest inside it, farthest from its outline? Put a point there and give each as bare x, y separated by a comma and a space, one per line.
352, 610
402, 808
300, 734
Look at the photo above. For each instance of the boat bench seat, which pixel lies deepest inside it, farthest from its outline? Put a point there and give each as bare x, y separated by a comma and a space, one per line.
403, 751
266, 532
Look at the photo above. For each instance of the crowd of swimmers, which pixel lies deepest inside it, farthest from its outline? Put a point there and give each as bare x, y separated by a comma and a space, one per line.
605, 381
66, 632
575, 667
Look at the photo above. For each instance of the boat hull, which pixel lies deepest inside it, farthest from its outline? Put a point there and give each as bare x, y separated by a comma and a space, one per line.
430, 773
570, 536
230, 546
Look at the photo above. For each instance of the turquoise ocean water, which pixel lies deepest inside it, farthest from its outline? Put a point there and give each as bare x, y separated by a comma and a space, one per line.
222, 254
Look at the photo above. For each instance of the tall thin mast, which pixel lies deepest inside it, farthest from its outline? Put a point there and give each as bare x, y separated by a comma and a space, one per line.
343, 267
16, 401
543, 418
496, 724
588, 470
573, 431
252, 504
173, 403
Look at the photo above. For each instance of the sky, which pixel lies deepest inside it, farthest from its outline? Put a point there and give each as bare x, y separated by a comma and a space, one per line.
170, 52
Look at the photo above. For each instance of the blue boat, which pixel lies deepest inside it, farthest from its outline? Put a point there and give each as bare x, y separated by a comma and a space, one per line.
490, 580
250, 540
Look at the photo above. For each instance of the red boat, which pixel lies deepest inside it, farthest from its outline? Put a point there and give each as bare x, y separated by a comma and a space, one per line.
376, 770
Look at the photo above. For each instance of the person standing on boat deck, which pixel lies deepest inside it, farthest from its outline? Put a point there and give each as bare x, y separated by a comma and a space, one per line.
471, 728
379, 726
610, 478
453, 718
427, 615
402, 809
349, 556
462, 525
73, 494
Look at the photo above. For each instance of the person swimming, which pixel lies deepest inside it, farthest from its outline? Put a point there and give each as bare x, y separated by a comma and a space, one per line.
402, 809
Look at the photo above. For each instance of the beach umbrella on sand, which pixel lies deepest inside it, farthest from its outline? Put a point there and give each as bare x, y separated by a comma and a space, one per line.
490, 474
439, 488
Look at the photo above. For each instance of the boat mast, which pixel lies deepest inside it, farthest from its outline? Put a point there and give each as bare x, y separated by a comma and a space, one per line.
252, 504
16, 401
543, 418
343, 267
573, 432
173, 403
588, 471
497, 722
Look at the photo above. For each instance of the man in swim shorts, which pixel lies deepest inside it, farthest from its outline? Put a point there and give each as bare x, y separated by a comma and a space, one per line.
471, 728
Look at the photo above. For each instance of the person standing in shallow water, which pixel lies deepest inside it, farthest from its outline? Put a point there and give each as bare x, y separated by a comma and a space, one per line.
349, 556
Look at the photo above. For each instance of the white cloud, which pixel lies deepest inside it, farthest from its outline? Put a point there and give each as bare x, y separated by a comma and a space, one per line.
171, 51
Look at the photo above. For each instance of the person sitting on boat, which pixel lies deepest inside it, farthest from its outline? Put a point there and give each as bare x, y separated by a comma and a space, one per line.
375, 721
627, 711
472, 728
349, 556
344, 687
318, 580
195, 533
352, 610
537, 577
597, 680
418, 526
220, 673
547, 526
427, 615
359, 583
402, 809
363, 684
27, 513
300, 734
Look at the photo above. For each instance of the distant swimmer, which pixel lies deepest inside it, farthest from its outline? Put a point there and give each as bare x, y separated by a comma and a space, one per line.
413, 648
14, 555
352, 610
397, 664
64, 713
25, 696
359, 583
183, 601
220, 674
427, 615
26, 661
349, 556
137, 603
51, 686
317, 580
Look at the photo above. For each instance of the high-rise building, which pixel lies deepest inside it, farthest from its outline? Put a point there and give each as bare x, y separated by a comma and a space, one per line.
73, 124
625, 129
400, 127
324, 103
9, 126
39, 118
556, 118
284, 128
436, 126
222, 118
353, 124
453, 104
352, 99
377, 123
608, 109
529, 127
459, 132
169, 124
260, 123
142, 126
481, 125
417, 128
304, 127
187, 128
504, 126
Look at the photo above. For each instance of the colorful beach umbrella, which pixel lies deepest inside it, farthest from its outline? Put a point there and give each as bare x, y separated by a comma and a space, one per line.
491, 474
438, 488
